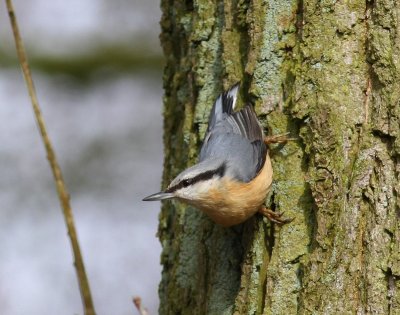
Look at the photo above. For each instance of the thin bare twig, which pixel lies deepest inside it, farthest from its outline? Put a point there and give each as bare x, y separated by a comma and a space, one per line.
59, 182
138, 303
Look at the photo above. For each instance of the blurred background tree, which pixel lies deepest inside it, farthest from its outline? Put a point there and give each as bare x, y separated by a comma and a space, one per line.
97, 70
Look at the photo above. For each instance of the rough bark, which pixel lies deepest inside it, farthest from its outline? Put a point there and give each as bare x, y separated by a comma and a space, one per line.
329, 73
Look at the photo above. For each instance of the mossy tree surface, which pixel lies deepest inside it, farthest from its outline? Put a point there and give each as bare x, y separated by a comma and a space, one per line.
328, 72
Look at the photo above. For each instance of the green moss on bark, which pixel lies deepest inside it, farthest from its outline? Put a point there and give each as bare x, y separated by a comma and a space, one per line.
329, 73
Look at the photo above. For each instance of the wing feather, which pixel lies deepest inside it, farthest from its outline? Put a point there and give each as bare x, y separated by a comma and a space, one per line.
245, 123
235, 137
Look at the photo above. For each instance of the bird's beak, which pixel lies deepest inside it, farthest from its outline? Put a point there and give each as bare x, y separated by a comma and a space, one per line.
159, 196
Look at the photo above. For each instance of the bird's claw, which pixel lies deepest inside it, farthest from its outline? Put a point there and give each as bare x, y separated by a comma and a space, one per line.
282, 138
275, 217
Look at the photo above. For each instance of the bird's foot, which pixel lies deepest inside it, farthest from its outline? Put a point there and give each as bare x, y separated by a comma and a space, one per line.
282, 138
275, 217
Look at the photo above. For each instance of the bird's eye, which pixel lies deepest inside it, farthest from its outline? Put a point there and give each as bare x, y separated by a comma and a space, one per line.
185, 182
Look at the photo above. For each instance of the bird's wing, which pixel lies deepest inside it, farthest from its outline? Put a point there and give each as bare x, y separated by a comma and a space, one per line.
237, 138
245, 123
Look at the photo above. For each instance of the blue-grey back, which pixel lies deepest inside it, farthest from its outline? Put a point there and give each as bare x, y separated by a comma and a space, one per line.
234, 138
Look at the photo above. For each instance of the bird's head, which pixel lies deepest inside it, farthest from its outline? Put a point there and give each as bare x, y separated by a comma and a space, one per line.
194, 183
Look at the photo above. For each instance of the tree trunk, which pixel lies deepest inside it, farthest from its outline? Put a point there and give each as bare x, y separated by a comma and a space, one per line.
328, 72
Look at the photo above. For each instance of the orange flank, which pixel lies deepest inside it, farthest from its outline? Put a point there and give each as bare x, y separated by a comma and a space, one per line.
233, 202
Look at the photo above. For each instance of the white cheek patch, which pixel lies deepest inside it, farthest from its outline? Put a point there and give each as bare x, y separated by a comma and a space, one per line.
198, 190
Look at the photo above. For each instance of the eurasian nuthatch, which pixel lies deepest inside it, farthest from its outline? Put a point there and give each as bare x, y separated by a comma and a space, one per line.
234, 173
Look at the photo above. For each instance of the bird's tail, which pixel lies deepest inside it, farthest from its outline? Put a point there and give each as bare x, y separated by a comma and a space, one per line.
225, 104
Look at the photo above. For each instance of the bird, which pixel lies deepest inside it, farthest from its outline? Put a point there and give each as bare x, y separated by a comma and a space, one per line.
234, 173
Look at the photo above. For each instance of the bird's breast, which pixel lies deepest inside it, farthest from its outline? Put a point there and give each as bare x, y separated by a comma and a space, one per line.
232, 202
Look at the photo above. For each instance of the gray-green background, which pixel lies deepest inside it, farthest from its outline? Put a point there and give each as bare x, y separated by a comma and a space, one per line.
97, 68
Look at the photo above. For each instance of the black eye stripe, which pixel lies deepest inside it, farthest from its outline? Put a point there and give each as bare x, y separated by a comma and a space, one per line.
220, 171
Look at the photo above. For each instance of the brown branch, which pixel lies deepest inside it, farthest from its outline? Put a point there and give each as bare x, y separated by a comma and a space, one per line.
59, 182
138, 303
